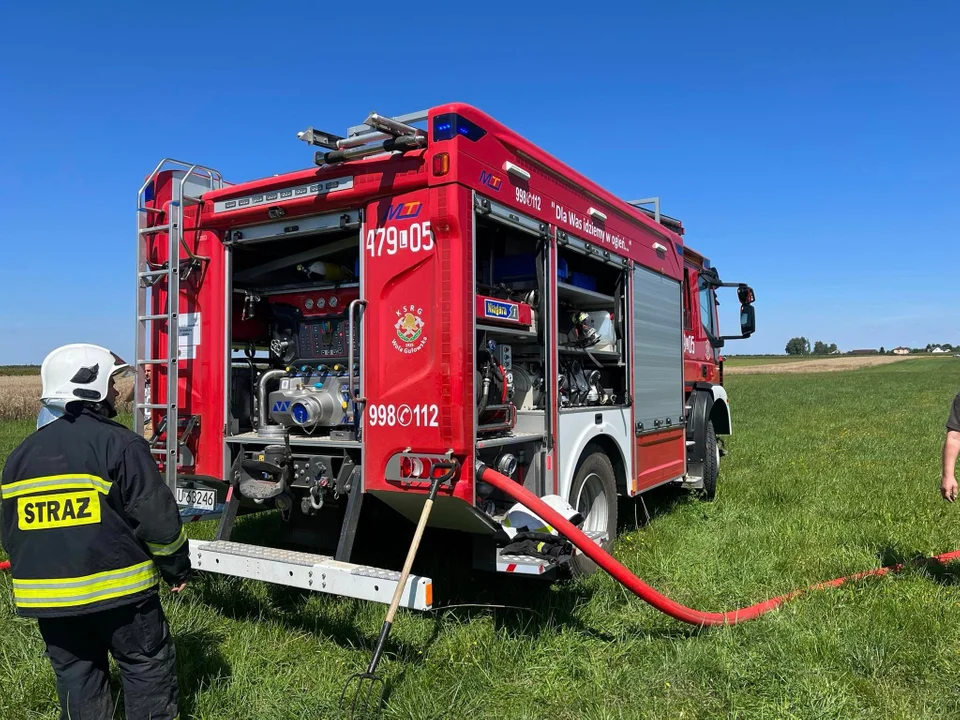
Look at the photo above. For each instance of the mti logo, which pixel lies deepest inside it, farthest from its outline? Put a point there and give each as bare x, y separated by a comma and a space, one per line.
491, 181
404, 211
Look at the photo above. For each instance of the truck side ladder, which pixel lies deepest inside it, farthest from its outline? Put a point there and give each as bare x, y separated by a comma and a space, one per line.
187, 177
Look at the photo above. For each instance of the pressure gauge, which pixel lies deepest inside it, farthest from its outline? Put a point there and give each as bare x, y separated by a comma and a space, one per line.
320, 303
333, 301
308, 304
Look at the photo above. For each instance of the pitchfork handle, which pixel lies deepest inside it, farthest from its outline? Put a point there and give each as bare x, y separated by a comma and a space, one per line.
404, 574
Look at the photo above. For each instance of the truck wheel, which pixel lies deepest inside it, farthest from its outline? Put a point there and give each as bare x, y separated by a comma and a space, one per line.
594, 495
711, 463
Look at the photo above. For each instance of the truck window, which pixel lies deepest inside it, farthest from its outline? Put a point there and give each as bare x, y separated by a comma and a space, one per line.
706, 308
687, 322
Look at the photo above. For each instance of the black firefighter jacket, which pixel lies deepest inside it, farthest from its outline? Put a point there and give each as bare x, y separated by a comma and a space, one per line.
87, 520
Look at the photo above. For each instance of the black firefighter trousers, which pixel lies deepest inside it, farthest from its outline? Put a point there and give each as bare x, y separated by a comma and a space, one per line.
138, 637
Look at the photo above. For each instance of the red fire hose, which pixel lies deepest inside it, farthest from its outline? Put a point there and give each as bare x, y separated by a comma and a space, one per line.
637, 586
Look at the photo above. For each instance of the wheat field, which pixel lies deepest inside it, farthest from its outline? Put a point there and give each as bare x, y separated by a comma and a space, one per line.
20, 396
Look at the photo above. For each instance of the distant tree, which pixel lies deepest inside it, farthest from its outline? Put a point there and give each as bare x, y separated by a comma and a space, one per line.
798, 346
831, 348
819, 348
882, 351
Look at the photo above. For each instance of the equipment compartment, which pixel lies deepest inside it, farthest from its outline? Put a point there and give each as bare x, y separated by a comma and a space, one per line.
510, 357
590, 310
294, 284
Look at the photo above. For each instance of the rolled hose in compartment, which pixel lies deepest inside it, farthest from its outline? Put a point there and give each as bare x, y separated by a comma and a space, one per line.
637, 586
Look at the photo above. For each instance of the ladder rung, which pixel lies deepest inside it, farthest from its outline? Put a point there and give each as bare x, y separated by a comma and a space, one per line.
160, 451
152, 362
154, 273
157, 211
151, 406
154, 229
163, 316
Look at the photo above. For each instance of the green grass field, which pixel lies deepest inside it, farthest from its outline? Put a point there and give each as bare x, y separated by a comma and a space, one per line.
827, 475
19, 370
742, 360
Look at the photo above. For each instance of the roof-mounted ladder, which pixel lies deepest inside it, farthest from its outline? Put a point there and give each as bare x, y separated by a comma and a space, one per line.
378, 134
665, 220
187, 178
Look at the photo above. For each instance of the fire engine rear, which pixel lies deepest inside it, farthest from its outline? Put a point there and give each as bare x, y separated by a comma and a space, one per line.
436, 293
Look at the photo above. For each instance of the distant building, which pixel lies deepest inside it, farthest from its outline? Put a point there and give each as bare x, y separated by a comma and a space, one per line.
901, 350
862, 352
936, 349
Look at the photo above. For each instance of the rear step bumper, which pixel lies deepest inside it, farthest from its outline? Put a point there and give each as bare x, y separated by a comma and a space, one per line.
309, 572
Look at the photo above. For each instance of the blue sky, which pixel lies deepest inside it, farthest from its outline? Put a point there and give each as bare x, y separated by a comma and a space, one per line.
812, 150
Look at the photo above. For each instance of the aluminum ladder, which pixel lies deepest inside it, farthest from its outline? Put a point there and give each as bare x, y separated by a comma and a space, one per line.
187, 178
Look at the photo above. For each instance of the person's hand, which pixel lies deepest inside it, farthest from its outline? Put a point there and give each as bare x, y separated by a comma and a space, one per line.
176, 589
948, 488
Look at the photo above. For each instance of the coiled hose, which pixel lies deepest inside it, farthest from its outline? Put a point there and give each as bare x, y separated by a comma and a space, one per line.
637, 586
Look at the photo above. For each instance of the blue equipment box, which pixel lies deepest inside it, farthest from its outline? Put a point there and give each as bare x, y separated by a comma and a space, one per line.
587, 282
522, 268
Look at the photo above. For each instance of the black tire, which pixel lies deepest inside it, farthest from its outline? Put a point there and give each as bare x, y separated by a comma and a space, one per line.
595, 489
711, 463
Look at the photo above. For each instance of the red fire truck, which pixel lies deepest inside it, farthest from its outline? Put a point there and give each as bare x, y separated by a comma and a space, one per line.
436, 292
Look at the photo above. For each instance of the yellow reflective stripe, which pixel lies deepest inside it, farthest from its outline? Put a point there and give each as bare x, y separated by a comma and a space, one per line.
54, 482
64, 592
76, 602
83, 579
169, 548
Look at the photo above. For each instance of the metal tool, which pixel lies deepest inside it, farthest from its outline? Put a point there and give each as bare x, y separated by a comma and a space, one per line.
366, 698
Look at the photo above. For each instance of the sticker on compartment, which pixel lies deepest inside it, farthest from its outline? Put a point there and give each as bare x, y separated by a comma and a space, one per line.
409, 328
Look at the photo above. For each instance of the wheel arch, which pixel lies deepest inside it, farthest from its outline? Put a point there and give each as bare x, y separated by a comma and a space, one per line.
609, 447
708, 402
720, 416
609, 431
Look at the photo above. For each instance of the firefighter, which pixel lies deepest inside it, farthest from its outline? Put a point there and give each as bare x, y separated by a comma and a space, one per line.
91, 528
951, 449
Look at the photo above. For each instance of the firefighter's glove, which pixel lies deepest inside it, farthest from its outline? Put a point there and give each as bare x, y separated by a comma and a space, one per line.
539, 545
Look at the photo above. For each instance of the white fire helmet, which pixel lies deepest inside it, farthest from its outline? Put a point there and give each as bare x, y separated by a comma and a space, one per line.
519, 519
76, 373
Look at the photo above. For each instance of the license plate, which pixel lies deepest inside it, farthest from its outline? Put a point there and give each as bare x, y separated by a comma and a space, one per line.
199, 499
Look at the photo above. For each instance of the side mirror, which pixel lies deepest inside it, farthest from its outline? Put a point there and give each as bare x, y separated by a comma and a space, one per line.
745, 294
748, 320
